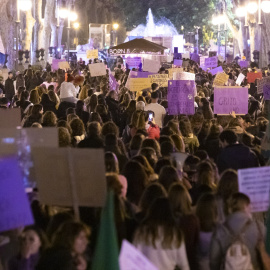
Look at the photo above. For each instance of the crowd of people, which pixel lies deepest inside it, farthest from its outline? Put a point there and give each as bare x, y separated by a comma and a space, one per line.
180, 215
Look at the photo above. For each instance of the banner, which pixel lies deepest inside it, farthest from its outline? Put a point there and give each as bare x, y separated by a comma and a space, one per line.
221, 79
243, 64
183, 76
252, 76
216, 70
240, 79
151, 65
133, 62
266, 91
64, 65
255, 183
261, 83
14, 204
230, 99
160, 79
98, 69
211, 62
91, 54
138, 84
178, 62
181, 97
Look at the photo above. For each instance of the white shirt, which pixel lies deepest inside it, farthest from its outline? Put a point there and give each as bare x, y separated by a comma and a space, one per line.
158, 110
164, 259
67, 89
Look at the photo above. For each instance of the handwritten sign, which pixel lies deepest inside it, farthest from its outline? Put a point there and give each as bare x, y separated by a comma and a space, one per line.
230, 99
261, 83
173, 70
216, 70
181, 97
220, 79
178, 62
133, 62
63, 65
259, 190
266, 91
243, 64
14, 205
252, 76
160, 79
91, 54
97, 69
131, 258
240, 79
211, 62
151, 65
183, 76
75, 167
138, 84
10, 118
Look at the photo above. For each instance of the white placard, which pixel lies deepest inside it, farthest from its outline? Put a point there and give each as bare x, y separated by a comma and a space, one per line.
98, 69
186, 55
255, 183
151, 65
240, 79
180, 76
131, 258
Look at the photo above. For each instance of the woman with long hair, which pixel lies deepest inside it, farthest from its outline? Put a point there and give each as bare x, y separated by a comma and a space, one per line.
47, 104
49, 119
84, 92
68, 248
83, 115
78, 131
181, 206
34, 97
92, 103
35, 116
160, 239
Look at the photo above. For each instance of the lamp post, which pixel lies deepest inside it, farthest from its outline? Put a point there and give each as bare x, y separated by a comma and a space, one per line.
219, 20
115, 27
22, 5
252, 8
71, 16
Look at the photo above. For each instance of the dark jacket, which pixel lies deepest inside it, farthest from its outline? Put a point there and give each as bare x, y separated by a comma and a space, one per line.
9, 89
91, 142
47, 104
113, 108
236, 156
63, 106
211, 146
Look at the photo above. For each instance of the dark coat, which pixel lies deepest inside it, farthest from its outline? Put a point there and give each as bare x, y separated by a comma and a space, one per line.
9, 89
236, 156
91, 142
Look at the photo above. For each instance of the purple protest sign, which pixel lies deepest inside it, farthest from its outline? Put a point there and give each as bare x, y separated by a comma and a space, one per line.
181, 97
230, 99
216, 70
178, 62
195, 57
55, 63
14, 205
266, 91
211, 62
113, 83
243, 64
143, 74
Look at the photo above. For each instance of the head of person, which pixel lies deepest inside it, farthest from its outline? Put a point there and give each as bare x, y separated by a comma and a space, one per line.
154, 86
167, 148
154, 97
49, 78
94, 129
151, 193
136, 142
64, 137
206, 174
162, 162
49, 119
71, 116
53, 97
153, 144
207, 212
239, 202
77, 127
159, 218
37, 109
10, 74
34, 96
137, 180
150, 154
72, 236
111, 163
32, 241
140, 106
78, 80
144, 162
110, 128
168, 175
180, 200
227, 137
95, 117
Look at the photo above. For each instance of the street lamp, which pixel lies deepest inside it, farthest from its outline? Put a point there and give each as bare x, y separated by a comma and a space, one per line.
23, 5
115, 27
72, 16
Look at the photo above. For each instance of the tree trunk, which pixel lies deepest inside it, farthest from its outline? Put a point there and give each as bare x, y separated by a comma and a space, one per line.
28, 30
48, 17
60, 33
7, 29
37, 44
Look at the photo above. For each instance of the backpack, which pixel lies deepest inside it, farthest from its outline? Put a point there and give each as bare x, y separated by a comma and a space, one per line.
237, 255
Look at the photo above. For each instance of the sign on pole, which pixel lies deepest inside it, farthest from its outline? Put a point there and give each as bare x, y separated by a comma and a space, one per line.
98, 69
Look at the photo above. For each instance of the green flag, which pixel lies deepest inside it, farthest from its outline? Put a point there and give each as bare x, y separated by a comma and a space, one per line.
106, 251
267, 241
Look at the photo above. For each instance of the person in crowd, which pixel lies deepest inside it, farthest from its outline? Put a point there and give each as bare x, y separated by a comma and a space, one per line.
234, 155
34, 97
35, 116
20, 81
64, 137
83, 115
68, 92
47, 104
78, 131
49, 119
68, 248
33, 242
238, 224
9, 90
160, 239
158, 110
54, 98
